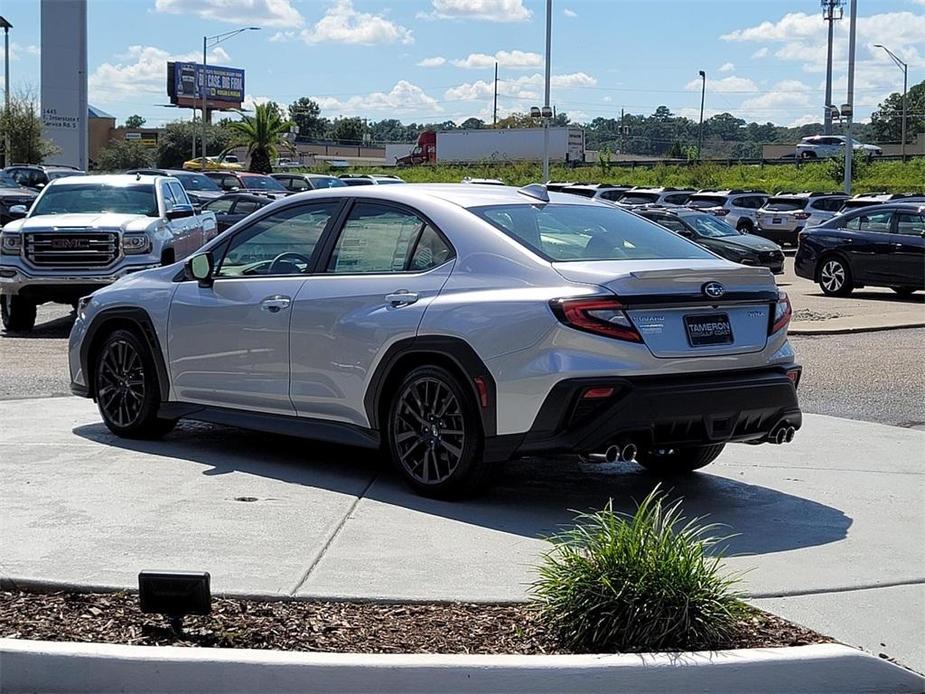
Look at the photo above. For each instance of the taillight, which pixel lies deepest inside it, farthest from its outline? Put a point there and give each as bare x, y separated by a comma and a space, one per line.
721, 212
801, 215
782, 313
601, 316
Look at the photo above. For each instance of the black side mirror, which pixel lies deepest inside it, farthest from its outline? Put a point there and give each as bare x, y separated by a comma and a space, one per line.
200, 267
180, 212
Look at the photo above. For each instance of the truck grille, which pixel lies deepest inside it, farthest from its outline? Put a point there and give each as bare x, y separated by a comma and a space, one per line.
64, 249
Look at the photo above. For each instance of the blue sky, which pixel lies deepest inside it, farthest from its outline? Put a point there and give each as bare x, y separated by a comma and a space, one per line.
432, 60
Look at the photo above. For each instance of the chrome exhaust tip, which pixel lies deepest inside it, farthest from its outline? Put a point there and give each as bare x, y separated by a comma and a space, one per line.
612, 454
628, 453
780, 436
791, 432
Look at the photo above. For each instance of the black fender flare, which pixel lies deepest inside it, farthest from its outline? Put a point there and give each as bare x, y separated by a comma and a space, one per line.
141, 321
447, 349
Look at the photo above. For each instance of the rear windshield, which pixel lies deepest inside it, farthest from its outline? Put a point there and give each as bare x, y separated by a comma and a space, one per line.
584, 192
327, 182
639, 198
855, 204
706, 201
584, 232
96, 197
785, 204
197, 182
262, 183
52, 175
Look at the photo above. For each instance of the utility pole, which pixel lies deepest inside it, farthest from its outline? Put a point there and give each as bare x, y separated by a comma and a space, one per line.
849, 106
494, 117
6, 88
905, 68
831, 12
546, 102
703, 93
622, 132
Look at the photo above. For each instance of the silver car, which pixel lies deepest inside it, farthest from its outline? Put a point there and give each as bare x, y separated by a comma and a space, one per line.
823, 146
738, 208
785, 215
454, 326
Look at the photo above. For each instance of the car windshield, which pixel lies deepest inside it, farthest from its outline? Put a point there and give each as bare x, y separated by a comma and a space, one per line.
583, 232
784, 204
709, 226
52, 175
192, 181
7, 181
97, 197
327, 182
262, 183
707, 201
639, 198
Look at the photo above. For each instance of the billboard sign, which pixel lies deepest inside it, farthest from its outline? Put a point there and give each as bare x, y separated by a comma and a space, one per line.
64, 80
224, 85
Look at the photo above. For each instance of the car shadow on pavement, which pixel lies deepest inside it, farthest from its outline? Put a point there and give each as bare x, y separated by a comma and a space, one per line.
887, 297
55, 328
531, 498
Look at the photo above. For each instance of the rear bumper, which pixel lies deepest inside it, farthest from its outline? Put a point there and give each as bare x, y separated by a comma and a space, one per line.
660, 411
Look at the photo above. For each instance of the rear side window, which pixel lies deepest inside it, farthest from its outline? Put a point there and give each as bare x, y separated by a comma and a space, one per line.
910, 224
677, 198
375, 239
179, 195
582, 232
296, 184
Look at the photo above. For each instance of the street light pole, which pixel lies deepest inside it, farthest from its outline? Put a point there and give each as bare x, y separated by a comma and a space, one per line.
546, 102
215, 40
6, 88
703, 94
849, 106
905, 68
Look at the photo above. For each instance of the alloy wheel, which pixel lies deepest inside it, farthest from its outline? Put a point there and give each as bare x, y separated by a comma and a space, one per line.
833, 275
121, 383
429, 430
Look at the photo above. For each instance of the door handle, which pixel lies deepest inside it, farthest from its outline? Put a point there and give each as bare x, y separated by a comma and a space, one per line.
401, 298
275, 304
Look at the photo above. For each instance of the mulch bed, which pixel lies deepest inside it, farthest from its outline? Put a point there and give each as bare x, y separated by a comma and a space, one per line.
320, 626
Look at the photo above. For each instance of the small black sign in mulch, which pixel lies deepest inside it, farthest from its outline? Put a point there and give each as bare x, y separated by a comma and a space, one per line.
321, 626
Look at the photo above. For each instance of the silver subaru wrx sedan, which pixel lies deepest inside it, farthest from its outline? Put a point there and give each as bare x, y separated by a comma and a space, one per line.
455, 327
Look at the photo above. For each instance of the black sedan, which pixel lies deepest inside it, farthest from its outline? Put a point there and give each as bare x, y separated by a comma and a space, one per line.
233, 207
12, 195
719, 237
880, 245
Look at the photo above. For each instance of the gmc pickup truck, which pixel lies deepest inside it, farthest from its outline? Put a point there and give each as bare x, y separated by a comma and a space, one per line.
85, 232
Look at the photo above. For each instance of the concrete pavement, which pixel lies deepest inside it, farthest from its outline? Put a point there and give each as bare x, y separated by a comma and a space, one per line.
828, 522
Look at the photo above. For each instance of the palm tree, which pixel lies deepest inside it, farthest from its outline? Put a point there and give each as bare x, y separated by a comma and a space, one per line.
262, 133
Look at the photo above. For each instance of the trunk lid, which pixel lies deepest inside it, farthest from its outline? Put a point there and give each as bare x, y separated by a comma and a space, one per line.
670, 309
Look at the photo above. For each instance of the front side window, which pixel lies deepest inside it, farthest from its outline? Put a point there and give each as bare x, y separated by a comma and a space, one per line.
910, 224
136, 199
375, 239
282, 243
584, 232
220, 206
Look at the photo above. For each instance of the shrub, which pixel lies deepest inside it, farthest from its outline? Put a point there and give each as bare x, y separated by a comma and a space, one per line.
120, 155
640, 582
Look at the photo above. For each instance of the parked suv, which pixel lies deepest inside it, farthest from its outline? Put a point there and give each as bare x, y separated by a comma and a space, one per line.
785, 215
298, 182
37, 176
822, 146
636, 197
879, 245
13, 195
601, 191
453, 326
235, 181
868, 199
85, 232
738, 208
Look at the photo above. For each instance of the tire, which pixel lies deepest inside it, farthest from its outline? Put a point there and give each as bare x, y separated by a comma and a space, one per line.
434, 434
17, 313
834, 276
126, 387
680, 461
904, 291
746, 226
807, 155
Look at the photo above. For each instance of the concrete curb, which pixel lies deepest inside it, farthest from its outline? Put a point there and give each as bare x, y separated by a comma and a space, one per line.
92, 667
850, 330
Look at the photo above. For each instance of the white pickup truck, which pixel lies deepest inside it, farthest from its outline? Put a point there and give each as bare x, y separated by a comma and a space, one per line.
85, 232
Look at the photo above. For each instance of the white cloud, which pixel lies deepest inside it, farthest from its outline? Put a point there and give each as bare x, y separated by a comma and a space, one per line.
250, 101
404, 97
782, 96
484, 10
507, 59
341, 23
607, 99
141, 69
571, 13
268, 13
762, 52
436, 61
17, 50
727, 67
527, 87
283, 36
724, 85
805, 119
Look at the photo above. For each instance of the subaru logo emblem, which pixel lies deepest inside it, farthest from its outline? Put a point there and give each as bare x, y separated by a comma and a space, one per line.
714, 290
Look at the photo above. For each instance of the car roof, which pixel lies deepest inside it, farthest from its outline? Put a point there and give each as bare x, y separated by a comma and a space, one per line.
910, 206
111, 179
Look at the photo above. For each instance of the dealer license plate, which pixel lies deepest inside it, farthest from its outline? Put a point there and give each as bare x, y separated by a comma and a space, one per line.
708, 329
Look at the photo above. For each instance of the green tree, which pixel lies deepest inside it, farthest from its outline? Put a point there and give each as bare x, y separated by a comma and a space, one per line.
519, 120
886, 121
135, 121
175, 143
24, 126
306, 114
119, 155
262, 134
348, 130
472, 124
